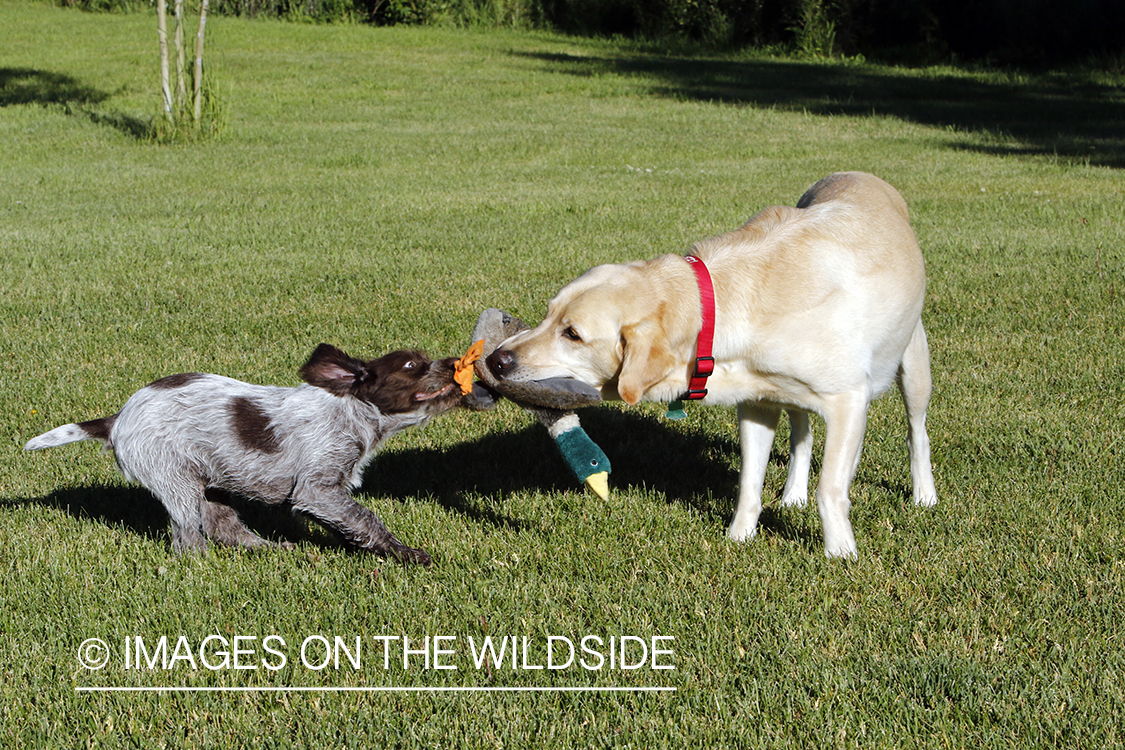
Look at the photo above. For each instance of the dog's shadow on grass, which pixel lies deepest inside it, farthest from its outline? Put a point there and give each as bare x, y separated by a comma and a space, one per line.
126, 506
134, 509
686, 466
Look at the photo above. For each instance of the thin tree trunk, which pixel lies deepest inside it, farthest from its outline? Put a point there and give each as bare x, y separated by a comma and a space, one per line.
181, 84
162, 32
199, 63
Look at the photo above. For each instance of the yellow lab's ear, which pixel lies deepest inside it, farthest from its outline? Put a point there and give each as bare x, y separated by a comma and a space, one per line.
646, 360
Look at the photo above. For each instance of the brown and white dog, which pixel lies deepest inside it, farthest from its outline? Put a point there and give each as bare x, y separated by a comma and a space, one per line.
305, 446
817, 309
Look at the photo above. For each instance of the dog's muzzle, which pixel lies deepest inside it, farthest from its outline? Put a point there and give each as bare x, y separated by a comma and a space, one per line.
500, 363
553, 393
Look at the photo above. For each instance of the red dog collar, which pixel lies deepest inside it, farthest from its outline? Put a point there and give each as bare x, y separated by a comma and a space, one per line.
704, 362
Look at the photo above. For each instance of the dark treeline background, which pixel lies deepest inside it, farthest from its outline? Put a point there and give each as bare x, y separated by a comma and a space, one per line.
1023, 32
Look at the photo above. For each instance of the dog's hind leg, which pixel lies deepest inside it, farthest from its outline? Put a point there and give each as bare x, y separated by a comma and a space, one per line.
796, 492
916, 384
335, 508
757, 425
182, 496
222, 524
845, 420
176, 483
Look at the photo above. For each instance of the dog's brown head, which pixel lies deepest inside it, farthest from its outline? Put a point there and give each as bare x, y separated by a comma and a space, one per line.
399, 382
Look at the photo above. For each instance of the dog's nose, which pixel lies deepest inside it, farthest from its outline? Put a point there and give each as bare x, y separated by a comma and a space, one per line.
501, 362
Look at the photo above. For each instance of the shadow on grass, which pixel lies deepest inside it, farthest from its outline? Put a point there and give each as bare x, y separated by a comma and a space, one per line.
688, 467
129, 507
135, 510
1081, 122
42, 87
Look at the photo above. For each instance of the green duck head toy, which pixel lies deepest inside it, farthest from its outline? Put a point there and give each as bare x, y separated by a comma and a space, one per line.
552, 402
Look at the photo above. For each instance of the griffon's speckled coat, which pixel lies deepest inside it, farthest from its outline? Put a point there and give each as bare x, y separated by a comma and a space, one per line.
306, 446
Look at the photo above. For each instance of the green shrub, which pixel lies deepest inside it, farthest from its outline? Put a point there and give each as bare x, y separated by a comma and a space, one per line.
814, 35
394, 12
321, 11
183, 128
919, 31
105, 6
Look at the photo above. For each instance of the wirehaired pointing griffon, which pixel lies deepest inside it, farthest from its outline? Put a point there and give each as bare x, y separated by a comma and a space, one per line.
305, 446
809, 309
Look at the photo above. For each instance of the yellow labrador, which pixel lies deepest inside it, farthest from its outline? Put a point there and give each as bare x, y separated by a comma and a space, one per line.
817, 309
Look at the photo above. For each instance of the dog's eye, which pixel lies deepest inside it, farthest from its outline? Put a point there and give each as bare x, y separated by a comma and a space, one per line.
571, 334
410, 365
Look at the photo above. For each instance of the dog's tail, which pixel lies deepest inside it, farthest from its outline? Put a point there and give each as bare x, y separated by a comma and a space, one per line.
95, 429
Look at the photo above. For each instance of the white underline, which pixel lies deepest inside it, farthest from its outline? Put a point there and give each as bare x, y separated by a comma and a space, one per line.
294, 689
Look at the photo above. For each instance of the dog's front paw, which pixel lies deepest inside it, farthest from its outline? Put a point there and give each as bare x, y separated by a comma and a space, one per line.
741, 531
410, 556
840, 544
795, 500
925, 495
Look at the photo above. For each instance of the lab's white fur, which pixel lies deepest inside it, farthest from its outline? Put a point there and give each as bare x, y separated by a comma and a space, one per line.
817, 309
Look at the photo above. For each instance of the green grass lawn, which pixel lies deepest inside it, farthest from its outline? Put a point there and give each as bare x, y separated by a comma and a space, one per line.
377, 188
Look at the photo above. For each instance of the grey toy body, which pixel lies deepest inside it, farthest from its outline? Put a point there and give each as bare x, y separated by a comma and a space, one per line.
552, 402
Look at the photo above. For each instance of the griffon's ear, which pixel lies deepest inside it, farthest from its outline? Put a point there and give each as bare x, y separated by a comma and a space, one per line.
333, 370
646, 360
